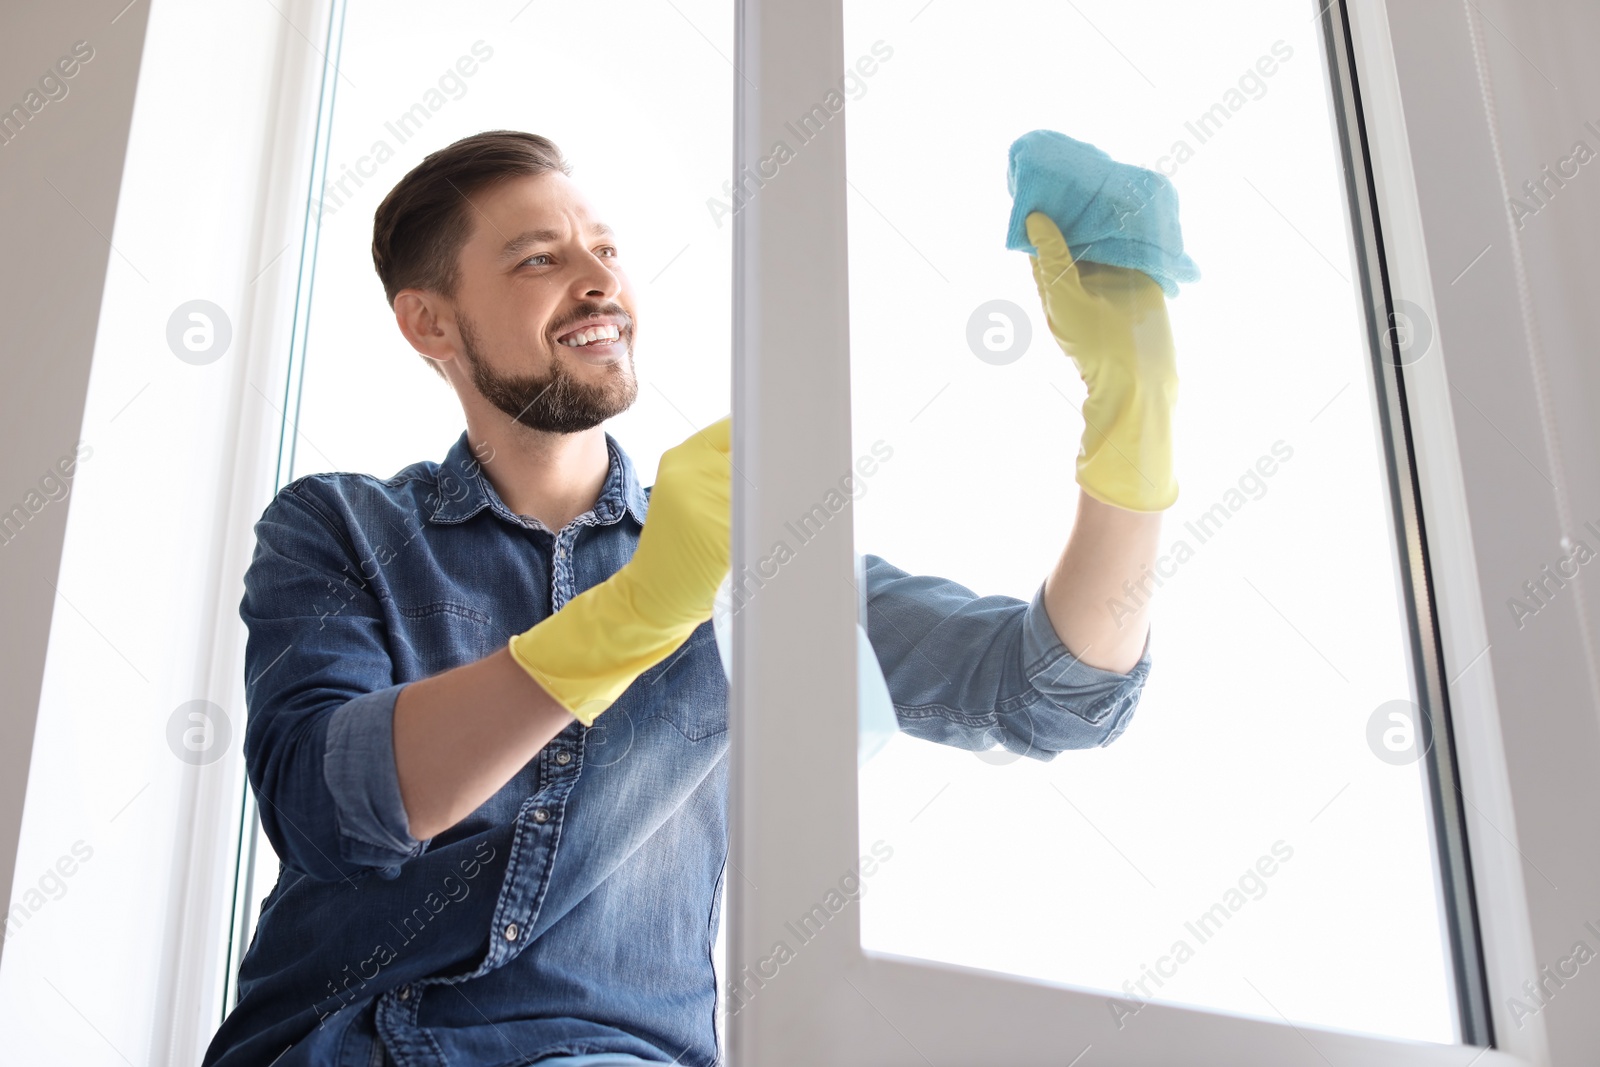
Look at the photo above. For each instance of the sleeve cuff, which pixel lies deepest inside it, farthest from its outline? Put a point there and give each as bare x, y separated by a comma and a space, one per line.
1091, 692
359, 769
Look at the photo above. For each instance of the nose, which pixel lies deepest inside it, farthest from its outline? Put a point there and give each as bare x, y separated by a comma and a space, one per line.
596, 279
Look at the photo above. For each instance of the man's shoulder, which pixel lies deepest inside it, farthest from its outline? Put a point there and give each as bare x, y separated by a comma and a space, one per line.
345, 497
426, 471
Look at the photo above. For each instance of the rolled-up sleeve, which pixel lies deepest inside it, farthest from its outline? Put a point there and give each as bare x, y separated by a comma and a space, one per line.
320, 689
975, 671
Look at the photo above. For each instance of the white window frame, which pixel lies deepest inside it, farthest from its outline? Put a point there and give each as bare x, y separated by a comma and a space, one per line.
793, 804
218, 813
250, 850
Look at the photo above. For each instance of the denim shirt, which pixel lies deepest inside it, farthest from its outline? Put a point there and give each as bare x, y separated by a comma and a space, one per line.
575, 911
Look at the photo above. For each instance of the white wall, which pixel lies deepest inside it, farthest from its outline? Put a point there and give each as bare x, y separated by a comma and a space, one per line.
59, 179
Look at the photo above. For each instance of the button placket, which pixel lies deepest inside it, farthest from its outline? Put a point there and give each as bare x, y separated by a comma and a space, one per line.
561, 580
518, 908
396, 1016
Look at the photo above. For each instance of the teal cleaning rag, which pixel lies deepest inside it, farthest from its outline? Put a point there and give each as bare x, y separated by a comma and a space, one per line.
1108, 212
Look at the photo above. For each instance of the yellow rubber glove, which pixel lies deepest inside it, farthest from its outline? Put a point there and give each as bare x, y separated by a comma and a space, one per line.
1112, 321
589, 652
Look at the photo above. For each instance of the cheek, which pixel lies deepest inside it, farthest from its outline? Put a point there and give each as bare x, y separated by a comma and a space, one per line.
530, 331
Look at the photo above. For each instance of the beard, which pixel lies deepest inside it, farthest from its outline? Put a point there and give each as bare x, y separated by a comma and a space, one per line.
556, 402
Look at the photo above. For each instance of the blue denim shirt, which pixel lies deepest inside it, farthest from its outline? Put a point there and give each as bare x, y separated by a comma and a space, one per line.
575, 911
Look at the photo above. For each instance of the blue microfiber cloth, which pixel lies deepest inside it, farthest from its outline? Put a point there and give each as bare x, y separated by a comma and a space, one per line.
1109, 212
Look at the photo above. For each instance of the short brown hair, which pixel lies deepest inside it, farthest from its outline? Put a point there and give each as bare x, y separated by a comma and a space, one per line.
419, 229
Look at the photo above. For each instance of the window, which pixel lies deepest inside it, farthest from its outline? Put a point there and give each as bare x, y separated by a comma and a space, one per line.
1261, 832
1297, 649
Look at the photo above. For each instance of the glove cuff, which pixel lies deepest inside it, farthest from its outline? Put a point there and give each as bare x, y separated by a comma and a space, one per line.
1125, 458
588, 653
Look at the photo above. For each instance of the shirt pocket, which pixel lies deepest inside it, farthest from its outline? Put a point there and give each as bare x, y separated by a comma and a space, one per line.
688, 688
439, 635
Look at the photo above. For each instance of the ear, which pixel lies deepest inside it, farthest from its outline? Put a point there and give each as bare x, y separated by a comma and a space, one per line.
428, 323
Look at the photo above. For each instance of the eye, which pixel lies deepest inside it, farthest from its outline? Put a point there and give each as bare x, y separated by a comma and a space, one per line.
612, 249
537, 255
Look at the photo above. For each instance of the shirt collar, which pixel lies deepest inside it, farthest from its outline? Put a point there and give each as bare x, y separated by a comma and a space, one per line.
463, 491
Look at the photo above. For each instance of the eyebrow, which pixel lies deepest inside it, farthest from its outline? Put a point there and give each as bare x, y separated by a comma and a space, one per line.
520, 244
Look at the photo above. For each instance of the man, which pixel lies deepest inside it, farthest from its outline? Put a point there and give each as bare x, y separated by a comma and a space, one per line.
487, 715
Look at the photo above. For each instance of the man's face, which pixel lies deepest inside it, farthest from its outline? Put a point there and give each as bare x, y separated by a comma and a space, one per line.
540, 271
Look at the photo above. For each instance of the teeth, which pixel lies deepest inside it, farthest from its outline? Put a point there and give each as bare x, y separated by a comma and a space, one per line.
592, 334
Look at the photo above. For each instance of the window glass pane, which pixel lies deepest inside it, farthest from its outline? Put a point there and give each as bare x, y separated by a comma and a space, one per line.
1251, 843
414, 77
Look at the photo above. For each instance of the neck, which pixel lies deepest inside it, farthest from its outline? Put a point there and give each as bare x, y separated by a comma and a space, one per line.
551, 477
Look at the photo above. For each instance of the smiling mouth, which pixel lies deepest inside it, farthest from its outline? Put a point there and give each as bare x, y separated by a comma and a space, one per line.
600, 336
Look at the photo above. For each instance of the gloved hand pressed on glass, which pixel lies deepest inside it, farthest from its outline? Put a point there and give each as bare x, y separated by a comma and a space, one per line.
1112, 321
589, 652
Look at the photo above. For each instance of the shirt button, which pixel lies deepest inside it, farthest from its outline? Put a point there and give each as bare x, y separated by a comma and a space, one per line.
405, 992
563, 758
561, 553
541, 815
511, 932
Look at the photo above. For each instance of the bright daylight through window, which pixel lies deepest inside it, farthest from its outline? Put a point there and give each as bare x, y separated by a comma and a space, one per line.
1257, 831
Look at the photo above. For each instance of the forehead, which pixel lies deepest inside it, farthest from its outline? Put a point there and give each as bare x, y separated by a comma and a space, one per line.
546, 194
521, 211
